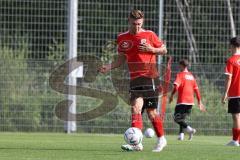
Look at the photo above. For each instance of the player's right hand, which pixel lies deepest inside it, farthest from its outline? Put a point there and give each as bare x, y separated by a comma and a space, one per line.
224, 99
105, 68
202, 107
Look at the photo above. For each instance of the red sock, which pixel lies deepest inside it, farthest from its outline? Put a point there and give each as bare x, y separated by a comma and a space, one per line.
238, 135
137, 121
235, 133
158, 126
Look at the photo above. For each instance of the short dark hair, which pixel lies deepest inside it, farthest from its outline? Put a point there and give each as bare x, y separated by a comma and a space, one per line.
184, 62
235, 42
136, 14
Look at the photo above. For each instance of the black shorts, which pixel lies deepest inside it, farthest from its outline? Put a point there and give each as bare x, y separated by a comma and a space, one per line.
148, 89
182, 110
234, 105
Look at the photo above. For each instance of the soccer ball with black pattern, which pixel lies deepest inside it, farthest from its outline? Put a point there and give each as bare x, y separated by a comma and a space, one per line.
133, 136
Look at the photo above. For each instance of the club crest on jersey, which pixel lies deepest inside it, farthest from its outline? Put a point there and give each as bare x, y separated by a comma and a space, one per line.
143, 41
126, 45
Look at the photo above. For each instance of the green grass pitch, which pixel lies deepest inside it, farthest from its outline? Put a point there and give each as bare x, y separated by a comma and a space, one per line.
51, 146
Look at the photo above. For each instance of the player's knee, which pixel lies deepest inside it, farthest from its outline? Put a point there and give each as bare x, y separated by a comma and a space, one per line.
136, 109
236, 117
177, 118
137, 105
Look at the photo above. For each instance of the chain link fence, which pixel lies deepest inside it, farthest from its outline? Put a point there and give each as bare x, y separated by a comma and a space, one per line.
33, 38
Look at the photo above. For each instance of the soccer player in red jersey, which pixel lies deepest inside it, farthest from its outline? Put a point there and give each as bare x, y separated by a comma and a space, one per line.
139, 48
186, 85
232, 89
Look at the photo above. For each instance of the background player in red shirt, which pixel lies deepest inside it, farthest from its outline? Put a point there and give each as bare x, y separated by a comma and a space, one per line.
139, 48
232, 89
186, 85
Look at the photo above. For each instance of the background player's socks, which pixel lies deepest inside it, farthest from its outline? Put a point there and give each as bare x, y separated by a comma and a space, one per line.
181, 137
158, 126
137, 121
189, 129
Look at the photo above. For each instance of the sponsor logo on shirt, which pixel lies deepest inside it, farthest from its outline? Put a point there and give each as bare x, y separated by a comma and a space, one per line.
189, 77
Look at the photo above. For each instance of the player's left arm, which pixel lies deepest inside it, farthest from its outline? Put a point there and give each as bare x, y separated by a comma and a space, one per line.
175, 88
176, 84
197, 92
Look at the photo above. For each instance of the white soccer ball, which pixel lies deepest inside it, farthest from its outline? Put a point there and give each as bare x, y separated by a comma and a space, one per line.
149, 133
133, 136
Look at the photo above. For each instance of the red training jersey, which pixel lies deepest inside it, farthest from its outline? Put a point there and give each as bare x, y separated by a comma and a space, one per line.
233, 68
186, 84
140, 64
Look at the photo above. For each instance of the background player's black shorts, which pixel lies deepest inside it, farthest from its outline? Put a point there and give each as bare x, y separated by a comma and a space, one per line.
181, 111
147, 88
234, 105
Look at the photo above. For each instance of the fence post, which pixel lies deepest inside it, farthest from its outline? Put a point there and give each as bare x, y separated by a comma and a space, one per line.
70, 126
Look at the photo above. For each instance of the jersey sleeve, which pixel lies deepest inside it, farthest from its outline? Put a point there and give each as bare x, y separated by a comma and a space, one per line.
156, 41
196, 90
177, 81
195, 86
229, 68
